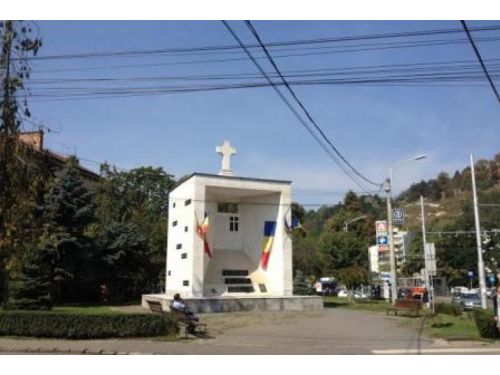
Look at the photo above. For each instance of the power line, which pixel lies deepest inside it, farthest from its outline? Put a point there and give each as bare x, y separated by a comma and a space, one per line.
205, 61
478, 55
370, 69
301, 105
349, 38
292, 109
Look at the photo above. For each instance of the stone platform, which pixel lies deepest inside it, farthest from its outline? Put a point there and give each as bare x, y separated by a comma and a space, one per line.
241, 303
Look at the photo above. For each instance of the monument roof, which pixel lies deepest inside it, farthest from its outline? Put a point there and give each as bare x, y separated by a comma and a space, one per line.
222, 177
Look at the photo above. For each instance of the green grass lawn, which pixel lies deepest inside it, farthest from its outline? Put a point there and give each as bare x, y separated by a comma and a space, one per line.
83, 310
452, 327
361, 304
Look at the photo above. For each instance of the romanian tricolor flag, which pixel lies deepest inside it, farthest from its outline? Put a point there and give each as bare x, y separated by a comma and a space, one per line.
296, 225
202, 231
267, 242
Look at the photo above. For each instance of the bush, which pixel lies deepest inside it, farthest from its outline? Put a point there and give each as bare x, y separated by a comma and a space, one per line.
448, 308
486, 324
84, 326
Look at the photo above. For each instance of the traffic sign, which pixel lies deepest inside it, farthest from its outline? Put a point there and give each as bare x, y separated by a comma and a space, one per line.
381, 226
383, 248
470, 274
398, 216
382, 240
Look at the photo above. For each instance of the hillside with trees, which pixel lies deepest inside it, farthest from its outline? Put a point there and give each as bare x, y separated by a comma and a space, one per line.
328, 249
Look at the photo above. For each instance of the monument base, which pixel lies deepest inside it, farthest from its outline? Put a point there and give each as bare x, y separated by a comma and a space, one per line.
241, 303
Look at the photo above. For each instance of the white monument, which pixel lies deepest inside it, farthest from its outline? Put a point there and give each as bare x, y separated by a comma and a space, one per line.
228, 247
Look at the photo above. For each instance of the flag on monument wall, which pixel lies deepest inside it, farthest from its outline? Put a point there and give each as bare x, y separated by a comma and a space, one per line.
296, 225
267, 242
202, 231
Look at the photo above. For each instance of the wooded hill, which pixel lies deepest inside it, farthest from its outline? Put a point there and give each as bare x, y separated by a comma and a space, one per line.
448, 205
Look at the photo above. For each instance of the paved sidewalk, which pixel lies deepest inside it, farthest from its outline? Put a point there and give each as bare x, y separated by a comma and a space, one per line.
332, 331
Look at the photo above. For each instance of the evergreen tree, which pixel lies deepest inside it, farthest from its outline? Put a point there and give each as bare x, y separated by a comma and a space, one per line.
32, 289
67, 211
123, 256
300, 284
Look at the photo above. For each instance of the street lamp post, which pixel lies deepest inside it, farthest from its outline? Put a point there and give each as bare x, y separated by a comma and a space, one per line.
352, 221
392, 255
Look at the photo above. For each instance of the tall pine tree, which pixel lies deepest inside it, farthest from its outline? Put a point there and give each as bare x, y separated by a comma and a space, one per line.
67, 211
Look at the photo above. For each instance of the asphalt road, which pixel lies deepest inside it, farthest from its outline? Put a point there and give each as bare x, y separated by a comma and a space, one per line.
331, 331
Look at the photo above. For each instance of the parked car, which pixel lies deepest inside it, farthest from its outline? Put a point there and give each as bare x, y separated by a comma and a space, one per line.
342, 293
357, 294
470, 300
360, 295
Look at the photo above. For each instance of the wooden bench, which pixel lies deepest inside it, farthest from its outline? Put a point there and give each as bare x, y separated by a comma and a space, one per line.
190, 326
181, 318
155, 307
411, 305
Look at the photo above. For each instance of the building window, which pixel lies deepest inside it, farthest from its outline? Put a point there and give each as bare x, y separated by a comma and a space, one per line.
227, 208
185, 228
174, 224
184, 256
173, 205
185, 283
169, 273
178, 246
234, 223
187, 202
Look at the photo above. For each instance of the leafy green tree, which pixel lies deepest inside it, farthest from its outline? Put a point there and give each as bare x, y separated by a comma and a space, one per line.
415, 258
138, 197
341, 250
353, 277
17, 43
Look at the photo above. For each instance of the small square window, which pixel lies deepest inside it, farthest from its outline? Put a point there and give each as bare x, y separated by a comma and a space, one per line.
173, 205
185, 283
184, 256
179, 246
185, 228
174, 223
169, 273
234, 223
187, 202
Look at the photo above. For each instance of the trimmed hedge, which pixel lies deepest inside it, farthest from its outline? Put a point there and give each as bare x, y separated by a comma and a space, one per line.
448, 308
83, 326
486, 324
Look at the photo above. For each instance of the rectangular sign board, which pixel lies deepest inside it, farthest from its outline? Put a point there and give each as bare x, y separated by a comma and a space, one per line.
398, 216
430, 258
381, 227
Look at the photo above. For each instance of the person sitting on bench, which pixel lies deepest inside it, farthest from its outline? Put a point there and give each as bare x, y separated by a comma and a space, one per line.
179, 305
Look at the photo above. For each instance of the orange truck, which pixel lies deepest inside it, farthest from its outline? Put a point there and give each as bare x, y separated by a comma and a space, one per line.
417, 292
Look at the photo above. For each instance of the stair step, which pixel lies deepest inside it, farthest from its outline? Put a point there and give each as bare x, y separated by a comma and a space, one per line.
237, 280
240, 289
234, 272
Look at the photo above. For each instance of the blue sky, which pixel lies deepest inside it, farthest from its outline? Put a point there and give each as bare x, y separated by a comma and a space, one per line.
374, 126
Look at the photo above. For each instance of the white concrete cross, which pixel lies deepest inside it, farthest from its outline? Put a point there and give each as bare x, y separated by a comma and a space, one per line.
226, 151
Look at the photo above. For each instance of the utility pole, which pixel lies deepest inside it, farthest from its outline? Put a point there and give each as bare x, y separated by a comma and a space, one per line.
6, 127
392, 257
424, 239
480, 263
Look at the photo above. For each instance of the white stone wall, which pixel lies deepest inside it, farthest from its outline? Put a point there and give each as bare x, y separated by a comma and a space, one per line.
273, 198
179, 269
